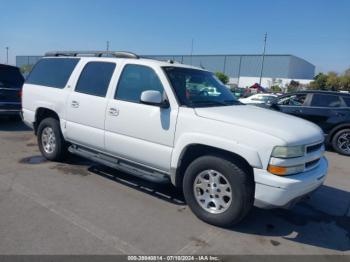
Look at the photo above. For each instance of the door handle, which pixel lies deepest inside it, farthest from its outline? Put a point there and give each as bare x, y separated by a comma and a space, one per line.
113, 111
75, 104
297, 111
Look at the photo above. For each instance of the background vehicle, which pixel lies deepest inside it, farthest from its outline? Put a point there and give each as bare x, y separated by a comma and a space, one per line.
11, 81
167, 121
329, 110
258, 99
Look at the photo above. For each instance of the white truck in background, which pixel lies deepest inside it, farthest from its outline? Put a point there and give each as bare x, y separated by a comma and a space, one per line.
163, 121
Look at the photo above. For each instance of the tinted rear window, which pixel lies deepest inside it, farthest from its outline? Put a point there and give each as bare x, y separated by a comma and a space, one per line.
52, 72
95, 77
323, 100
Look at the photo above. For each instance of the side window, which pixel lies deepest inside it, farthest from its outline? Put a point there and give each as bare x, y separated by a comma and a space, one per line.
52, 72
134, 80
346, 100
323, 100
256, 98
94, 79
293, 100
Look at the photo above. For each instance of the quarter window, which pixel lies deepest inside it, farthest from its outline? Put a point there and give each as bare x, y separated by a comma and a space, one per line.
322, 100
52, 72
134, 80
347, 100
95, 77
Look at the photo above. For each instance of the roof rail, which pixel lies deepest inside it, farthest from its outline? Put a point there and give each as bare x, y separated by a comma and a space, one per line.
117, 54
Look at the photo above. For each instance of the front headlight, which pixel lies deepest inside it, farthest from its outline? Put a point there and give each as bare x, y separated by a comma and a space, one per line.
288, 151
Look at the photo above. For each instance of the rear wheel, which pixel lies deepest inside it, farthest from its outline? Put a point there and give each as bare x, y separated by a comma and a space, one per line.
341, 142
218, 191
50, 140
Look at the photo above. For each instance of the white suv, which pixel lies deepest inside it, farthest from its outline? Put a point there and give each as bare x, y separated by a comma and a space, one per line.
169, 121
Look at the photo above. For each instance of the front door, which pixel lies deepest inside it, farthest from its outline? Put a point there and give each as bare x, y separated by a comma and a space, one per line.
141, 133
292, 104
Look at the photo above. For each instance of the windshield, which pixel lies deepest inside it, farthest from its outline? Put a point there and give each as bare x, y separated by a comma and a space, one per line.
197, 88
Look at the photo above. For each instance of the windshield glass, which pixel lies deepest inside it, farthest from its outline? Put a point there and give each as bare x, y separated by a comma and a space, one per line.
197, 88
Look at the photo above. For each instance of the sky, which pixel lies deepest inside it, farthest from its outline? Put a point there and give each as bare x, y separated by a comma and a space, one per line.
316, 30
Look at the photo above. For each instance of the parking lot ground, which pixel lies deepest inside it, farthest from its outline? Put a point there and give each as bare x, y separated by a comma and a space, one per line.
80, 207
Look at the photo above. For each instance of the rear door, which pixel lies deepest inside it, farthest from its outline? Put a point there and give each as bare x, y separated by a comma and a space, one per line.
87, 105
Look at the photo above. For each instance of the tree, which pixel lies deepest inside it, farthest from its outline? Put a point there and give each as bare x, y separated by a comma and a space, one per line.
275, 88
26, 68
222, 77
332, 82
319, 82
344, 83
293, 86
347, 72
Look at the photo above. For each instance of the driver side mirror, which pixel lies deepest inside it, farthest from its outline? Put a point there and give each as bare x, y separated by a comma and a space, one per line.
153, 97
273, 103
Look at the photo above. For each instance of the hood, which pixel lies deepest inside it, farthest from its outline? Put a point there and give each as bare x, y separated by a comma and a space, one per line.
292, 130
10, 76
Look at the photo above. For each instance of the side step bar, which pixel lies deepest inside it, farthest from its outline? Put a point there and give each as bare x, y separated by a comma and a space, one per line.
121, 164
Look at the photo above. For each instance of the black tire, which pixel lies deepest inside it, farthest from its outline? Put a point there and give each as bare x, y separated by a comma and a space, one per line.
60, 150
337, 139
241, 182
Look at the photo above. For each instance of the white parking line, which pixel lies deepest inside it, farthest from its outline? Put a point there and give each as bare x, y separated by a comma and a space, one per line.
73, 218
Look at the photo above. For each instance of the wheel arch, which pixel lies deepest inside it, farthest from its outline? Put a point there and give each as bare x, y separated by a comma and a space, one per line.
195, 150
41, 113
334, 130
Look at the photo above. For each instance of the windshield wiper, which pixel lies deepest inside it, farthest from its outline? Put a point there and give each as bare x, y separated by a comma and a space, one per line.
232, 101
208, 103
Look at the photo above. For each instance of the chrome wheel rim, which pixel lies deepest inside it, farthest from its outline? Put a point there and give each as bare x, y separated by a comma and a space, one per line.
212, 191
48, 140
343, 142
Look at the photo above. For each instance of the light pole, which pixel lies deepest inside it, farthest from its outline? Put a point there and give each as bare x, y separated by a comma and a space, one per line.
107, 47
191, 50
263, 59
7, 55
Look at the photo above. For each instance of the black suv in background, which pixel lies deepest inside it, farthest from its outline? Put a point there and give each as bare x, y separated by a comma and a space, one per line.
329, 110
11, 82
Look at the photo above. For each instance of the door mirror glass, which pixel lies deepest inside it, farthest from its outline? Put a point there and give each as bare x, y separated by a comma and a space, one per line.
153, 97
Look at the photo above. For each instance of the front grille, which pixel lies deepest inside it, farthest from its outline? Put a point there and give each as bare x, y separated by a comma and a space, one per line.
313, 148
311, 163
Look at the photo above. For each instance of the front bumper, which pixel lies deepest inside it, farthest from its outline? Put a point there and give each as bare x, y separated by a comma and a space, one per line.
273, 191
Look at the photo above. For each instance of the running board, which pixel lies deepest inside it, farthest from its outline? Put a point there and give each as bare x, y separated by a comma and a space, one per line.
121, 164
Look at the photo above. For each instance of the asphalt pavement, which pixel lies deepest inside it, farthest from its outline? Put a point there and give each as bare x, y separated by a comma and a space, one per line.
79, 207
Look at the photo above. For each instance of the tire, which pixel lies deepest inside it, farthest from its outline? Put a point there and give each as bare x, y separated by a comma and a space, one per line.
341, 141
49, 130
242, 187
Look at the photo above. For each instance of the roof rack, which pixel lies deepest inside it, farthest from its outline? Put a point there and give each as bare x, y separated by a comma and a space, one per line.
117, 54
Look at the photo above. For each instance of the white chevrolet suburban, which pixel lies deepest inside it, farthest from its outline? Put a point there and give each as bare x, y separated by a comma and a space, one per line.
168, 121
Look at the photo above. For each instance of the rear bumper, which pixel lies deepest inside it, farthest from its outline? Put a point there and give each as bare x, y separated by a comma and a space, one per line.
9, 112
10, 108
273, 191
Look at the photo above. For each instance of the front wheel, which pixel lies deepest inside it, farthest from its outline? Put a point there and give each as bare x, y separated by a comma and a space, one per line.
218, 191
341, 142
50, 140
